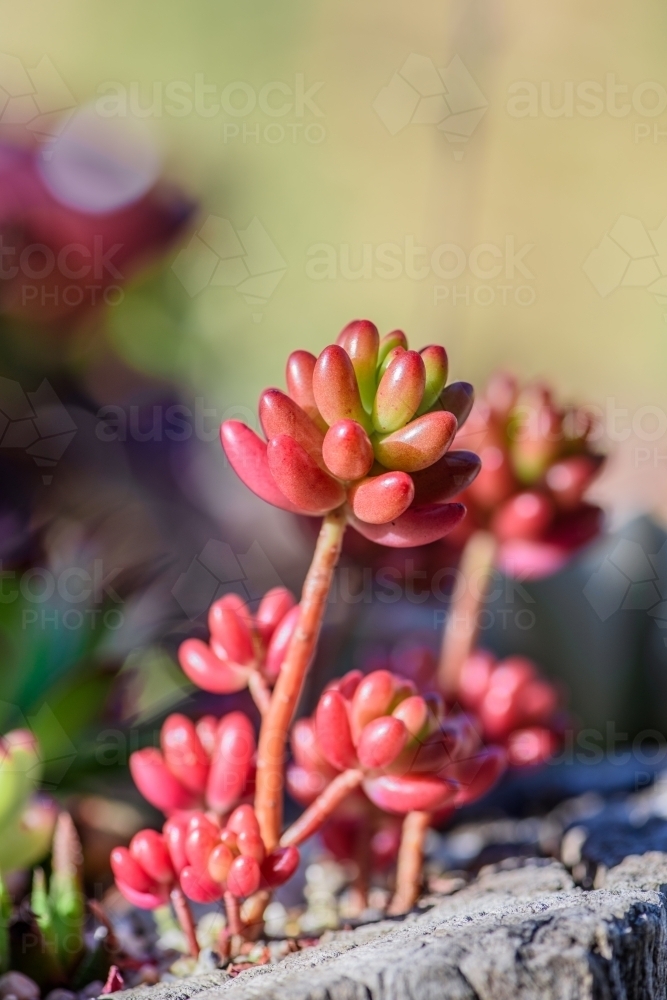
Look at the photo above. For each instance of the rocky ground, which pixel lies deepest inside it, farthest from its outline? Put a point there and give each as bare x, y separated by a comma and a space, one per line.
570, 905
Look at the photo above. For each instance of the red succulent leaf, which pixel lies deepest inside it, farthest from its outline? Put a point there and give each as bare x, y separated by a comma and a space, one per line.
127, 869
400, 392
417, 526
381, 742
301, 479
244, 877
271, 611
207, 671
143, 900
156, 782
419, 444
281, 415
333, 731
183, 753
248, 458
299, 375
382, 498
279, 867
231, 761
335, 387
149, 849
347, 450
401, 794
199, 886
280, 640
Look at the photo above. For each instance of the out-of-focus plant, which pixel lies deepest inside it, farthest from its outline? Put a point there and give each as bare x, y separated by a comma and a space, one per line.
245, 650
27, 819
515, 706
527, 512
59, 907
199, 856
66, 258
209, 764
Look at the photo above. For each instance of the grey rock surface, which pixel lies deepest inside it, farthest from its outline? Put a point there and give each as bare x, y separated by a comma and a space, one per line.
519, 931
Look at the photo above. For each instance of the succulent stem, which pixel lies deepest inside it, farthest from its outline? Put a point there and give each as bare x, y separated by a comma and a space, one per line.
233, 911
410, 860
259, 691
185, 919
276, 721
310, 821
460, 632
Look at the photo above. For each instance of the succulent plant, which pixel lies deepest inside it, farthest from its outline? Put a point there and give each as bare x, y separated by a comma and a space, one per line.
244, 650
361, 438
198, 857
207, 764
538, 461
514, 705
376, 732
367, 425
59, 908
27, 819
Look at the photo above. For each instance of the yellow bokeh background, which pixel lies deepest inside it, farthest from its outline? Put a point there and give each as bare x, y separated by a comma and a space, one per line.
557, 183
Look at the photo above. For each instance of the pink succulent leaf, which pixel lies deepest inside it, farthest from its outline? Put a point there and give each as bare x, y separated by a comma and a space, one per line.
419, 444
157, 784
402, 794
280, 640
207, 671
382, 498
301, 479
281, 415
417, 526
231, 762
399, 393
247, 456
347, 450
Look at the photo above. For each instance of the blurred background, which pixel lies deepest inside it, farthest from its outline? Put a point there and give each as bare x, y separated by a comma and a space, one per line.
191, 191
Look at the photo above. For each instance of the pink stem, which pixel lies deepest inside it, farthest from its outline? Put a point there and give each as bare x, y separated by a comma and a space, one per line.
410, 861
185, 919
460, 635
259, 691
276, 721
312, 819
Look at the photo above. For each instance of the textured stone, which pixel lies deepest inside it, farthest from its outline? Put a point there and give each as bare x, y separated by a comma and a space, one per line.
517, 932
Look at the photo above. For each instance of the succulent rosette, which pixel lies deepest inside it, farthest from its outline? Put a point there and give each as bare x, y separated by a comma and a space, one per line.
537, 464
243, 647
203, 857
514, 705
207, 764
356, 828
368, 424
213, 859
411, 755
144, 872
